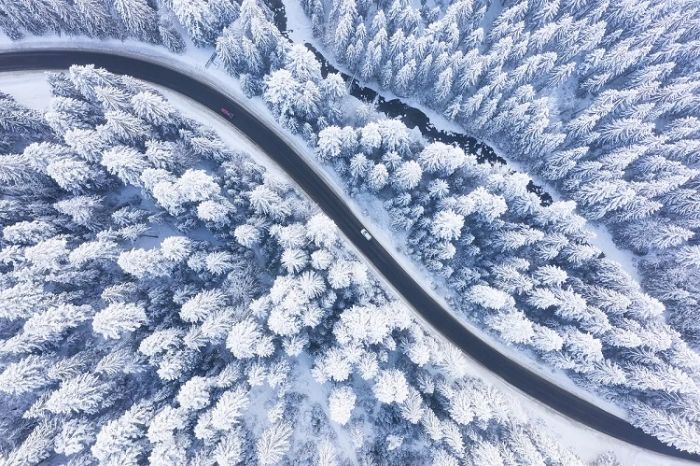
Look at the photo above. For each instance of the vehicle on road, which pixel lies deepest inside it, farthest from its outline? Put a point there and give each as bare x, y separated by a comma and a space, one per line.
227, 113
366, 234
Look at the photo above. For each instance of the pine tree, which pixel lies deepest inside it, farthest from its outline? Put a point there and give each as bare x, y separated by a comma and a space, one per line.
153, 108
24, 376
229, 408
202, 305
251, 44
139, 18
170, 36
341, 403
199, 20
229, 450
125, 163
408, 175
273, 443
391, 387
118, 318
84, 393
447, 224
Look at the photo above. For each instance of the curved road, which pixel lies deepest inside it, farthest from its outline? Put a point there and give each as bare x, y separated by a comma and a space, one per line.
316, 188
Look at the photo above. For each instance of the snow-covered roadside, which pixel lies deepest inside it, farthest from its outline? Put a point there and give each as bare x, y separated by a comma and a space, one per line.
29, 88
231, 136
577, 437
192, 63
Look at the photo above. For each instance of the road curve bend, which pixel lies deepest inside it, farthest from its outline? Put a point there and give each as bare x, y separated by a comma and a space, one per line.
330, 202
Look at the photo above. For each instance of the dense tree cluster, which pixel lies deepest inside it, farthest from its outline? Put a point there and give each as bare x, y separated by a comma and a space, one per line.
525, 271
157, 285
121, 19
600, 98
165, 299
288, 77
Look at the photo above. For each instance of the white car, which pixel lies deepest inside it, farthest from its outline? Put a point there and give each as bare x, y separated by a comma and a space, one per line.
366, 234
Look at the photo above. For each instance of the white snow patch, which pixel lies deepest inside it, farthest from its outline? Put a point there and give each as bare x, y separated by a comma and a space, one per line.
318, 394
29, 88
298, 24
604, 241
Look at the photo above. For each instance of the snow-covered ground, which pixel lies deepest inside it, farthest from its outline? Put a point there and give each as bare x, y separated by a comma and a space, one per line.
28, 88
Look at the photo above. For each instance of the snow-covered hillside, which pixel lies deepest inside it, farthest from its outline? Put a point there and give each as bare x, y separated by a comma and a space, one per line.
125, 222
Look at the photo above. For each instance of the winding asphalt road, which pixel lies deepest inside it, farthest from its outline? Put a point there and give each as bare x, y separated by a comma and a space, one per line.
333, 205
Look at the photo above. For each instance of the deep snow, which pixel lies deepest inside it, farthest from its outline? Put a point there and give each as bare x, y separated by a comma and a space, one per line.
586, 442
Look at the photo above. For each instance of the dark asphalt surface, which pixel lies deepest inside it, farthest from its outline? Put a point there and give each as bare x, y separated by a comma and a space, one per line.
294, 165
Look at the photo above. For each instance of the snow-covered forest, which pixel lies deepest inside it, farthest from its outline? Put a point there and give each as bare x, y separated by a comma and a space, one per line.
222, 290
600, 98
525, 271
165, 298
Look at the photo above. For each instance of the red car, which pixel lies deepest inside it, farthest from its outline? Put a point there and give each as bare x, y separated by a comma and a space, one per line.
226, 112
